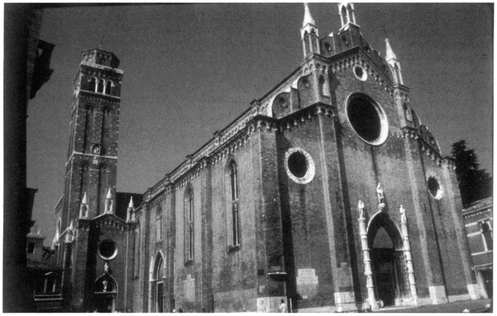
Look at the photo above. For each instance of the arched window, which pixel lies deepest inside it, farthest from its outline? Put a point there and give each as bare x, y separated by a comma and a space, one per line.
108, 86
158, 228
189, 224
233, 215
93, 84
100, 87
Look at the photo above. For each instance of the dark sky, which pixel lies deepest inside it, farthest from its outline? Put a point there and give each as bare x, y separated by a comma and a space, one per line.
190, 69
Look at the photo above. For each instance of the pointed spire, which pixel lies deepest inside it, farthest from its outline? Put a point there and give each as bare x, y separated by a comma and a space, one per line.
309, 33
347, 14
390, 55
391, 59
83, 209
307, 16
108, 202
131, 211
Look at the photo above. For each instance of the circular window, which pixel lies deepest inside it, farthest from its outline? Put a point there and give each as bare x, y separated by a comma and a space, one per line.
435, 188
299, 165
107, 250
367, 119
360, 73
282, 102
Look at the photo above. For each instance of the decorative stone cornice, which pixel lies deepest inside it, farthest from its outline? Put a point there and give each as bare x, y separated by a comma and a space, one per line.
90, 66
99, 98
300, 117
109, 221
427, 149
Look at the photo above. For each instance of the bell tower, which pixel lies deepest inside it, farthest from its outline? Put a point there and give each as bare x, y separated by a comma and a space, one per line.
92, 156
90, 178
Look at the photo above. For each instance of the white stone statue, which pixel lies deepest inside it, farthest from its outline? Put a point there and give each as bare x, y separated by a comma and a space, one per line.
379, 193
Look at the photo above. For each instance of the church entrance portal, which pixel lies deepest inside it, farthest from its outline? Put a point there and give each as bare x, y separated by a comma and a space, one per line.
104, 303
389, 269
104, 297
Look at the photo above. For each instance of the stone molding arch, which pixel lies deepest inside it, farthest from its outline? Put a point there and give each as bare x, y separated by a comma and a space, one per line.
381, 220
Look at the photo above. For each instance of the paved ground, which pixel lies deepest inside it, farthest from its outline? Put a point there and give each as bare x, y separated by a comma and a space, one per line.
456, 307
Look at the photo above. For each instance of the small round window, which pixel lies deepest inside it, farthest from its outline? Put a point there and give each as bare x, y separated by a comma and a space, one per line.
299, 165
107, 250
360, 73
435, 188
367, 119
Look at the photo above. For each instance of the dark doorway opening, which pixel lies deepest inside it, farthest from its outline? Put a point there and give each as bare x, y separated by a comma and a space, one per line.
104, 303
388, 264
160, 297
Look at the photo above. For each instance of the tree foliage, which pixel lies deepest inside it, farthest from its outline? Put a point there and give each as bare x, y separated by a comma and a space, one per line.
474, 184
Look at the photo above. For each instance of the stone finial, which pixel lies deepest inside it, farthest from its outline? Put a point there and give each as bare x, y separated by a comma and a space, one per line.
131, 205
390, 55
307, 16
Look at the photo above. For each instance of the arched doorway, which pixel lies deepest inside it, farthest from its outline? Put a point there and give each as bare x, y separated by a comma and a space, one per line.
388, 265
157, 285
104, 297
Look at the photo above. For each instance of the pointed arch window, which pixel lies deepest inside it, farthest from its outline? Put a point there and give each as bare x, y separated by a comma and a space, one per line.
158, 228
233, 213
189, 224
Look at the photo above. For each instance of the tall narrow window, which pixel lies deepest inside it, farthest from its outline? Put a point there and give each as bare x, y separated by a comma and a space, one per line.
31, 247
235, 224
108, 86
137, 250
100, 87
159, 223
93, 84
189, 225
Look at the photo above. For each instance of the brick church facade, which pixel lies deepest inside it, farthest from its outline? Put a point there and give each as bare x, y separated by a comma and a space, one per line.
327, 193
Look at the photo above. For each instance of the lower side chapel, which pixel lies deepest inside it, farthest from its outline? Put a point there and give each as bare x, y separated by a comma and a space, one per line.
327, 193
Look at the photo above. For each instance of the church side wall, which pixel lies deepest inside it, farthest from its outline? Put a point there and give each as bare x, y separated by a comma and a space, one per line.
188, 273
234, 269
448, 222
